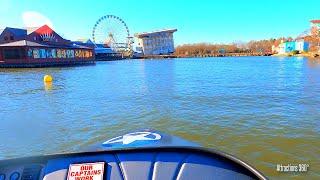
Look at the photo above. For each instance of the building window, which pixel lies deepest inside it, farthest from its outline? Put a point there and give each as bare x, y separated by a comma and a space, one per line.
23, 54
11, 38
12, 54
5, 38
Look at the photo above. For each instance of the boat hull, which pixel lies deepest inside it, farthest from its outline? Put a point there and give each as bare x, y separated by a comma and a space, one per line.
142, 155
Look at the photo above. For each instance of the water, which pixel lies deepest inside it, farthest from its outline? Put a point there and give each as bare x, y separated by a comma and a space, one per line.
263, 110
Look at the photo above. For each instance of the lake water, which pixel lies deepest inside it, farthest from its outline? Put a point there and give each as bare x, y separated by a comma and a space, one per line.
264, 110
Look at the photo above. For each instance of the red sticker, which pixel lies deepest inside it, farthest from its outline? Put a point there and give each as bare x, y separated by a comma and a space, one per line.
86, 171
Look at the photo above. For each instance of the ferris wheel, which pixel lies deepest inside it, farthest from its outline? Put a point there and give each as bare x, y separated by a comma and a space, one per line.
111, 31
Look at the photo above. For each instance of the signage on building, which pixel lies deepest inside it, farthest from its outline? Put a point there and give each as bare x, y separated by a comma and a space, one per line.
47, 37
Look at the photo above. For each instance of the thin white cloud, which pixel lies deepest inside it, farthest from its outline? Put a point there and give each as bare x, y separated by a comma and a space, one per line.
35, 19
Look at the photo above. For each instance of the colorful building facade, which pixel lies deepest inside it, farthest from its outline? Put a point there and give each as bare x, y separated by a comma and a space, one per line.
287, 47
42, 47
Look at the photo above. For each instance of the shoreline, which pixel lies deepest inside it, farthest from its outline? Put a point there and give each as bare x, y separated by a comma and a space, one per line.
201, 56
307, 55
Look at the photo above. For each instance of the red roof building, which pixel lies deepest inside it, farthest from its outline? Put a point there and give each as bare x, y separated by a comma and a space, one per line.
42, 47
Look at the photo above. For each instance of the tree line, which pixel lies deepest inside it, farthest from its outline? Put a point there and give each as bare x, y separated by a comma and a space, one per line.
202, 49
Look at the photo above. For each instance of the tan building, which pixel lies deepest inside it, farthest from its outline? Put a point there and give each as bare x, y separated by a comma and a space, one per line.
156, 42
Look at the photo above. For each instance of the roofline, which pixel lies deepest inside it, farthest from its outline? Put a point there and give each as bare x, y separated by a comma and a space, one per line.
11, 29
43, 45
315, 21
48, 47
15, 28
154, 32
9, 44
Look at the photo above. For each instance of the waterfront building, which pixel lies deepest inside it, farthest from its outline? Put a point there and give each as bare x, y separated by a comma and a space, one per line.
301, 46
84, 42
106, 53
41, 47
156, 42
290, 46
12, 34
103, 52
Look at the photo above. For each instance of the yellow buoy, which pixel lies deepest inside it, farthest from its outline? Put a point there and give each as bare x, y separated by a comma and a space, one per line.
47, 78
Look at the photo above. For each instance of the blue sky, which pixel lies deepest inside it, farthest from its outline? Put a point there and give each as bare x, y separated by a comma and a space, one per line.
223, 21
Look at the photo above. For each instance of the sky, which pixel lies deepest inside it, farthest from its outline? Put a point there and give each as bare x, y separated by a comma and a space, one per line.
223, 21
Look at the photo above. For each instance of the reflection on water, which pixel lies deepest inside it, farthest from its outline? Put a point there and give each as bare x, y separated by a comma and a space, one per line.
47, 86
264, 110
